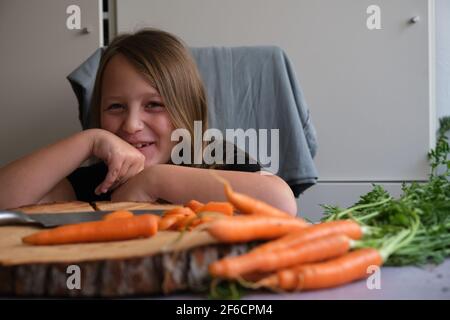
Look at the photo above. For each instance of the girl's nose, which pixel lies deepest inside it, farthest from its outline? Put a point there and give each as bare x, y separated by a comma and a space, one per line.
132, 123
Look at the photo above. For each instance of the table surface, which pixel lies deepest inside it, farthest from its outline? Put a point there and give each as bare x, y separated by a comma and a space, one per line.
403, 283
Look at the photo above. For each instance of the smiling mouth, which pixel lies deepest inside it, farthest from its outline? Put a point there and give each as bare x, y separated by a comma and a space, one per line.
142, 145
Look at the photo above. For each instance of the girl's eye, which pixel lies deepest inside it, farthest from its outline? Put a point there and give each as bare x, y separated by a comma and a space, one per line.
115, 106
154, 105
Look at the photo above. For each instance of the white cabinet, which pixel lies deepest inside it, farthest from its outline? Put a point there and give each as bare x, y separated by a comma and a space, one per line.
37, 52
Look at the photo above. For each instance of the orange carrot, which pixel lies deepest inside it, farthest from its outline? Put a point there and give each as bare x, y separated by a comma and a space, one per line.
119, 214
179, 210
346, 227
248, 228
205, 217
199, 221
222, 207
194, 205
184, 222
248, 205
144, 225
347, 268
176, 218
167, 222
311, 251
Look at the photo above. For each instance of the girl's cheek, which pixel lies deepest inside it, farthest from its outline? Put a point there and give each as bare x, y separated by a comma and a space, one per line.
109, 124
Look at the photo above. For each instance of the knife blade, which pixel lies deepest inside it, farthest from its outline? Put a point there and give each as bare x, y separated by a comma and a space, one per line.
49, 220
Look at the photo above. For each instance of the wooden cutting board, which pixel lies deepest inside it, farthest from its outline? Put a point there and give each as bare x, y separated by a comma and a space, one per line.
165, 263
74, 206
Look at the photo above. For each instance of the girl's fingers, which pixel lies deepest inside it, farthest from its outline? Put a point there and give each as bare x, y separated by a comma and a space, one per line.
111, 177
130, 170
122, 177
135, 168
118, 173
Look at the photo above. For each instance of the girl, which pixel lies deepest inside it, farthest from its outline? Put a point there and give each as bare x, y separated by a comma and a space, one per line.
147, 86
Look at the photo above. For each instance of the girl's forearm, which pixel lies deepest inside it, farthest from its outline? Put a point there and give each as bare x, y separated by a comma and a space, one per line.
27, 180
178, 184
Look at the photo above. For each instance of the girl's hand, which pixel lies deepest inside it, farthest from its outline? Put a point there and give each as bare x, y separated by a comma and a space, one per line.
139, 188
123, 160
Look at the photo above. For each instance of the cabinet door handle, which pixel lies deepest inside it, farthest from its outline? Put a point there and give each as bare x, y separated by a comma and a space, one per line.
414, 19
86, 30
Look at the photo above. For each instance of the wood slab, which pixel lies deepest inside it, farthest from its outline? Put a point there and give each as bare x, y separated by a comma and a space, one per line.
168, 262
73, 206
106, 205
14, 252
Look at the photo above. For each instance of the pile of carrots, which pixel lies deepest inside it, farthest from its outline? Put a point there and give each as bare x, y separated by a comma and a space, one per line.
296, 255
317, 256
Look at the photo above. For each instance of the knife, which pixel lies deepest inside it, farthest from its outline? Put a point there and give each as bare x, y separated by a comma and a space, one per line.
49, 220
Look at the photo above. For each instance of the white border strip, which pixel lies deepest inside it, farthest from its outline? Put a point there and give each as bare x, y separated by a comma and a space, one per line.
432, 71
100, 25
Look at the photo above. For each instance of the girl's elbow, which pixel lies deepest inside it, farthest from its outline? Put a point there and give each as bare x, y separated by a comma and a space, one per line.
285, 199
288, 203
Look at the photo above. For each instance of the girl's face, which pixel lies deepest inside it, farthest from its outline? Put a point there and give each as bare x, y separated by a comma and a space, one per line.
133, 110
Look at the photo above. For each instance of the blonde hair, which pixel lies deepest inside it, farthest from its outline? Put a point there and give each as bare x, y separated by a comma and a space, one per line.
167, 64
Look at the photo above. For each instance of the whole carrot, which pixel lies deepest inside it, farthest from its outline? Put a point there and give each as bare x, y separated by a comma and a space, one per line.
347, 268
145, 225
248, 228
311, 251
222, 207
248, 205
119, 214
346, 227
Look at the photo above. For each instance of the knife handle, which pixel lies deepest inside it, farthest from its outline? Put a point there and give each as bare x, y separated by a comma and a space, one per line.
12, 217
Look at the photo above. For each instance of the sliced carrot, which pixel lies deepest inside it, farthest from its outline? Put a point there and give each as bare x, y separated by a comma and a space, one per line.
347, 268
176, 218
179, 210
184, 222
248, 228
144, 225
346, 227
222, 207
119, 214
311, 251
194, 205
167, 222
205, 217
